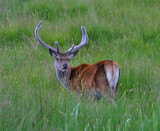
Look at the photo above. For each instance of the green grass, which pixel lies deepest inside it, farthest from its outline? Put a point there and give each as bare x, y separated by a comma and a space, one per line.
126, 31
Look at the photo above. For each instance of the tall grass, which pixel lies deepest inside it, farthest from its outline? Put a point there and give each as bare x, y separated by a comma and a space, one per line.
125, 31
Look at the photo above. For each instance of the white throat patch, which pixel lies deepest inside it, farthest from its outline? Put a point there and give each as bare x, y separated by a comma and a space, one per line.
62, 75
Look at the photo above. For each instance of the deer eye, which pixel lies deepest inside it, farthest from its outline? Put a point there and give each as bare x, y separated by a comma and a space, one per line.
57, 58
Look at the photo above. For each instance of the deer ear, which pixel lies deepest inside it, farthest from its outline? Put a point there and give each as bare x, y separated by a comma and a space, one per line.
73, 54
52, 53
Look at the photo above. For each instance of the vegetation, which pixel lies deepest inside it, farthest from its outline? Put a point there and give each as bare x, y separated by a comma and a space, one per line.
126, 31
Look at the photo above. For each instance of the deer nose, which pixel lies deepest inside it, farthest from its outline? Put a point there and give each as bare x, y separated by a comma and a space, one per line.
65, 66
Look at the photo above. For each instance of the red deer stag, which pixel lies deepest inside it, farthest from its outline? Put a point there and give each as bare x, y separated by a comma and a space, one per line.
100, 78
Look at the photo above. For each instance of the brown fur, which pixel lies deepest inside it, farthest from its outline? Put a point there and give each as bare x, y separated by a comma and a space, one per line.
92, 77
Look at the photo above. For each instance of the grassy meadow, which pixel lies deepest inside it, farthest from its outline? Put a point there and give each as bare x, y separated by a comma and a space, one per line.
126, 31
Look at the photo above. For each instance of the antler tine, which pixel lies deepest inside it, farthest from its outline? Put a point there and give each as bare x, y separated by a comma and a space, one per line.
83, 41
70, 50
39, 39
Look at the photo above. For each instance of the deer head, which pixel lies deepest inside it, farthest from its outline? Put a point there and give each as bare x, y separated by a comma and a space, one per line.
62, 60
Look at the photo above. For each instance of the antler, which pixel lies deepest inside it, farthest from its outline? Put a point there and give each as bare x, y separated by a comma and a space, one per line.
83, 41
42, 42
72, 49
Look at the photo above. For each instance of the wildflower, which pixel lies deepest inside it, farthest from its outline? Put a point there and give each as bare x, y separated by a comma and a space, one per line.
131, 90
34, 75
137, 109
62, 89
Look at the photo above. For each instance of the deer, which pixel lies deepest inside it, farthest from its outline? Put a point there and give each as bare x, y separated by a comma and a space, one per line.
101, 78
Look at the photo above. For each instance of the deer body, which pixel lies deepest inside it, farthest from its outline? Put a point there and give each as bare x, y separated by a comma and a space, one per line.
102, 77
